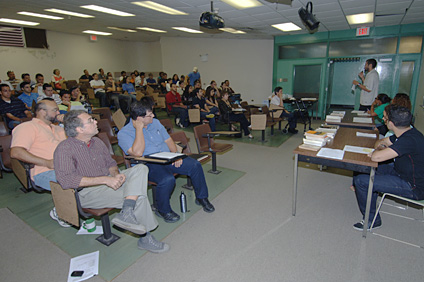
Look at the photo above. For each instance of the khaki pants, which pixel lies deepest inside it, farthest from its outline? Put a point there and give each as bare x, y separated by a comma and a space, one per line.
102, 196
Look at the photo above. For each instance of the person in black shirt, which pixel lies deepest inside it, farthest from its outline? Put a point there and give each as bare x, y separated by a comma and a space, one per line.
162, 83
12, 108
199, 102
404, 176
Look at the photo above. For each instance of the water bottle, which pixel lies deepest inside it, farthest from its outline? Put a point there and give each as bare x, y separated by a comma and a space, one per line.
183, 202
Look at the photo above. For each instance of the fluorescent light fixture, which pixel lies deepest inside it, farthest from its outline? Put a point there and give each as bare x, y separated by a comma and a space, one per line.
107, 10
185, 29
4, 20
286, 26
243, 4
151, 29
122, 29
159, 7
53, 10
232, 30
40, 15
360, 18
96, 32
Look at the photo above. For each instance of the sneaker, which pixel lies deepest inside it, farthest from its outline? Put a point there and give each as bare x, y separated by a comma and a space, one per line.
53, 215
126, 220
177, 121
181, 125
210, 116
149, 243
207, 206
360, 225
293, 130
169, 217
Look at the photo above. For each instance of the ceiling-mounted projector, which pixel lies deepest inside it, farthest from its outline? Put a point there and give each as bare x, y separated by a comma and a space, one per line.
308, 19
211, 20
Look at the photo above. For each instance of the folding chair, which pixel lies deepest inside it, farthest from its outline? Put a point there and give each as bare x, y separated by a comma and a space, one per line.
68, 208
206, 143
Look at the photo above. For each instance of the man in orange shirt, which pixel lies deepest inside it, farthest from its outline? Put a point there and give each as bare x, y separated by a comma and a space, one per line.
35, 142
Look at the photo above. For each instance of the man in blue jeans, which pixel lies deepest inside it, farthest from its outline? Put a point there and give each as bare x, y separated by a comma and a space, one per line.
403, 177
145, 135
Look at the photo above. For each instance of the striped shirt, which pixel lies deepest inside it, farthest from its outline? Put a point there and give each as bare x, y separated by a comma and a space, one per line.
73, 160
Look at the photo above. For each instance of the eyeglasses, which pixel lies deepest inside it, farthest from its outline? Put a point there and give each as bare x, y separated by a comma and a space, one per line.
90, 120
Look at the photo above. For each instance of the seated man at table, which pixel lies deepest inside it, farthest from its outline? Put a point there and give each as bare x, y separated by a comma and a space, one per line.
145, 135
83, 161
403, 177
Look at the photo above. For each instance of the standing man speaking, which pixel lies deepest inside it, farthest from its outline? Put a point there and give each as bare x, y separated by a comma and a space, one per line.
369, 86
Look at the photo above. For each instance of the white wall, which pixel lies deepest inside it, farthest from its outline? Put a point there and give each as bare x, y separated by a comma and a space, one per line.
246, 63
72, 53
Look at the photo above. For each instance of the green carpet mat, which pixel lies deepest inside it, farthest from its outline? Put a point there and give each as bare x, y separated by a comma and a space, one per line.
33, 208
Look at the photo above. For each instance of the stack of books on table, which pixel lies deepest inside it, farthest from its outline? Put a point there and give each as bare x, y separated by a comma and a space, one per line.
331, 130
314, 140
335, 116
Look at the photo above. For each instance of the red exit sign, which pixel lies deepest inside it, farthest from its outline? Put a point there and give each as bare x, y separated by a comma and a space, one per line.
363, 31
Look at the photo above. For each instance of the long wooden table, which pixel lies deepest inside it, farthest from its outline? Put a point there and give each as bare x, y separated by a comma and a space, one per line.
351, 161
347, 121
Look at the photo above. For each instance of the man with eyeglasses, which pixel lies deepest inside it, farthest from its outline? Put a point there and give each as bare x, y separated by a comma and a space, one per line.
145, 135
34, 142
83, 161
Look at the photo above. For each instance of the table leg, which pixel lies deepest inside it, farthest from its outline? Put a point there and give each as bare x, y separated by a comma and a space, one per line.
294, 196
368, 205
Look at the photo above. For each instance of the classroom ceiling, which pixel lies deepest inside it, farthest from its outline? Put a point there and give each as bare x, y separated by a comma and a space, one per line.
256, 22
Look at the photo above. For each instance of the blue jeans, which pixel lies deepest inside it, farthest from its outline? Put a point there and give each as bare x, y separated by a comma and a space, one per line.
211, 120
386, 180
292, 119
183, 115
43, 179
163, 175
13, 123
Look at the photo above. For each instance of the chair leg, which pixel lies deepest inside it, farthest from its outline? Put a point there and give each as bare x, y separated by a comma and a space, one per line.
214, 170
189, 184
377, 211
107, 238
263, 136
153, 205
272, 130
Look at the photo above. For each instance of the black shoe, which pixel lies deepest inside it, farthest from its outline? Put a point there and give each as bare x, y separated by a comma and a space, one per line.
169, 217
292, 130
207, 206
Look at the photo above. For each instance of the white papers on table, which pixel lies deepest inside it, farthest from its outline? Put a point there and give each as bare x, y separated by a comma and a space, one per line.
338, 113
331, 153
357, 112
83, 231
89, 263
363, 115
356, 149
362, 120
308, 99
239, 110
331, 118
165, 155
362, 134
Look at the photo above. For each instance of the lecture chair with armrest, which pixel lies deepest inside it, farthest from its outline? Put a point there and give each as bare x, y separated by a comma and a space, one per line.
118, 159
273, 115
105, 113
68, 208
4, 130
22, 171
205, 143
168, 125
5, 163
104, 126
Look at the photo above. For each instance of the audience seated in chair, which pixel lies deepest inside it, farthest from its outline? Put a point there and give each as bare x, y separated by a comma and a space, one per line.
173, 102
199, 102
277, 100
227, 114
13, 109
145, 135
49, 93
34, 142
27, 95
103, 185
99, 89
115, 96
128, 86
